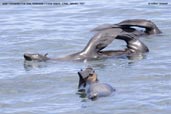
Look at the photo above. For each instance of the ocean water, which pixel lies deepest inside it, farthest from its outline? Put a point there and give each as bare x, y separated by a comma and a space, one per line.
142, 86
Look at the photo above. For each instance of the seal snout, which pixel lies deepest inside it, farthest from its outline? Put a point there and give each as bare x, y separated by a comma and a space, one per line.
36, 57
27, 57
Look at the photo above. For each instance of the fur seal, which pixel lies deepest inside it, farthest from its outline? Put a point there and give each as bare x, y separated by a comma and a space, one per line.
95, 46
91, 85
105, 35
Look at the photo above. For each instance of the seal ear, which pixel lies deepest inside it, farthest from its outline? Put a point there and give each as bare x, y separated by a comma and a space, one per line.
46, 54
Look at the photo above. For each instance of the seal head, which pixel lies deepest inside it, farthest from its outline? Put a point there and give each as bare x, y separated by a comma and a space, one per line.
36, 56
90, 83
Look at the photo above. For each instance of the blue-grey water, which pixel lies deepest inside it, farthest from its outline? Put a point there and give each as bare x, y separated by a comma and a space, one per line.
142, 86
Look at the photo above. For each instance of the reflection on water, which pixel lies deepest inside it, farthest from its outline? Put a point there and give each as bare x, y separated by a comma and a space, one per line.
143, 85
28, 65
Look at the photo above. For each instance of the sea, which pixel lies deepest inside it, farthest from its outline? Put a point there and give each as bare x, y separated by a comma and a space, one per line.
63, 27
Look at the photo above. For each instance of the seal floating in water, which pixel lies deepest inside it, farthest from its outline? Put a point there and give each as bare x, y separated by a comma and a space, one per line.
94, 48
93, 88
105, 35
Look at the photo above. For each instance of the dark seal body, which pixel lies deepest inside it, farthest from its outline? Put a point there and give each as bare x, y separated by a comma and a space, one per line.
105, 36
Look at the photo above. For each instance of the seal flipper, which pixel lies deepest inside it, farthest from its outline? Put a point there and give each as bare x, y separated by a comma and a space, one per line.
101, 40
46, 54
150, 27
105, 26
133, 43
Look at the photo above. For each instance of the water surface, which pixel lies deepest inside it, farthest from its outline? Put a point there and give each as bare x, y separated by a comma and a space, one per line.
142, 86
